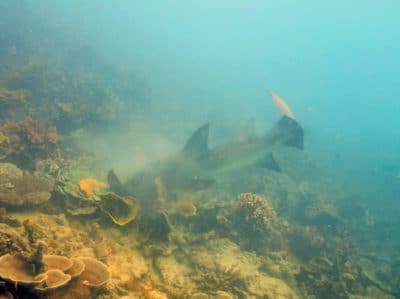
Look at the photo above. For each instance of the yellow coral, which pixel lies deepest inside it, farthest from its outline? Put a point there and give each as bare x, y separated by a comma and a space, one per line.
89, 185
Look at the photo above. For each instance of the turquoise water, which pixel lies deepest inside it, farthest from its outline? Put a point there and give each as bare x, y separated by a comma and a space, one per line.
153, 71
335, 63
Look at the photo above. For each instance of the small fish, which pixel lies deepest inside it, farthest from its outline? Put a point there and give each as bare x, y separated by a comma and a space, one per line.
281, 105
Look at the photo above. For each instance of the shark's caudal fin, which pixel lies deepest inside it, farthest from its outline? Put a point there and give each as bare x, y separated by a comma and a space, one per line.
197, 145
286, 132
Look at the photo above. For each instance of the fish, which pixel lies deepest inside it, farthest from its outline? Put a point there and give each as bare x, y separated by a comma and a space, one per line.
281, 105
198, 167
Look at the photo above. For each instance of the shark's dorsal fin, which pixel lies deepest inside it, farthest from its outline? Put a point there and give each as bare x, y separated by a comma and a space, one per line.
286, 132
196, 146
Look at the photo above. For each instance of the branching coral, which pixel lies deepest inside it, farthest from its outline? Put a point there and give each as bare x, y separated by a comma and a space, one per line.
27, 141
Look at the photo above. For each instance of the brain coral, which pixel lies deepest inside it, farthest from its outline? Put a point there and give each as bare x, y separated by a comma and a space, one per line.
257, 211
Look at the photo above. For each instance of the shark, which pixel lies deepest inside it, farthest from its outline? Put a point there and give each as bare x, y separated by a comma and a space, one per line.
197, 166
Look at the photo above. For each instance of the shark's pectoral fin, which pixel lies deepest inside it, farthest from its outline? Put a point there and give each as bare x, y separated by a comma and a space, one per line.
286, 132
269, 162
197, 145
115, 184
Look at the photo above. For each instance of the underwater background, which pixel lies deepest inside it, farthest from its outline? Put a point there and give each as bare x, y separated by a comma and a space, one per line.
92, 86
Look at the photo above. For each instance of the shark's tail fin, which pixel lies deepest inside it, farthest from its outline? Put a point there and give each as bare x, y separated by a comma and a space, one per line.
286, 132
196, 146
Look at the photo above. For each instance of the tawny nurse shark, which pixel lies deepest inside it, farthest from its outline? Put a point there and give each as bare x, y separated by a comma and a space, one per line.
197, 167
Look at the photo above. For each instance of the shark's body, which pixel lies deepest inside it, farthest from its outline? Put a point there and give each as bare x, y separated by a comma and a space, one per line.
197, 167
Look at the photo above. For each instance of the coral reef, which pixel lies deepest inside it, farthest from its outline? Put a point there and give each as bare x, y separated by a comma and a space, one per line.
256, 211
11, 240
95, 274
55, 279
256, 223
3, 138
91, 98
121, 210
305, 242
28, 141
56, 262
73, 201
187, 243
78, 266
227, 279
7, 95
18, 270
88, 187
321, 214
185, 208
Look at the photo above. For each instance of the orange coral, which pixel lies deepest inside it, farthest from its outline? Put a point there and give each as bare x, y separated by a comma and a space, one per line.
88, 186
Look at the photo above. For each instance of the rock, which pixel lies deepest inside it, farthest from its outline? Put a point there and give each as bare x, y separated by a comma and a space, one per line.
19, 188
